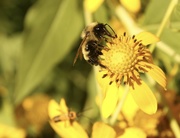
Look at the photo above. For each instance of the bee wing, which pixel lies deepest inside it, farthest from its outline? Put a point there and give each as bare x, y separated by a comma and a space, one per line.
79, 52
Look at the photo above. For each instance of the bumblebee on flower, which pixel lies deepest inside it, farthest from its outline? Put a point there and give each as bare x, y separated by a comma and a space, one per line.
121, 59
126, 58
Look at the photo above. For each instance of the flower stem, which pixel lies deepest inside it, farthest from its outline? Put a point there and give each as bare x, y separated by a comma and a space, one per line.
165, 20
87, 16
113, 118
127, 20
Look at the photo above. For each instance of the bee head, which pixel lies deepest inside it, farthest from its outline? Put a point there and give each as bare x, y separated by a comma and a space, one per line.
100, 31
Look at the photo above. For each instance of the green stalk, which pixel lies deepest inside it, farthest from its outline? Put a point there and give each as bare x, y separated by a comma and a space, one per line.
165, 20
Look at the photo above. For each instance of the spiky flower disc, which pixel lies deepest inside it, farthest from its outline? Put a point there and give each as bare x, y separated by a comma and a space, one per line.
125, 58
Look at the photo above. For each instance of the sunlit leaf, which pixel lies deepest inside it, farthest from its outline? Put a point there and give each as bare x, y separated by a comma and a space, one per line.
154, 14
170, 38
51, 29
175, 17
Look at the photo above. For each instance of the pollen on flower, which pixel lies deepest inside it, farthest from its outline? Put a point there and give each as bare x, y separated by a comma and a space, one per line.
125, 58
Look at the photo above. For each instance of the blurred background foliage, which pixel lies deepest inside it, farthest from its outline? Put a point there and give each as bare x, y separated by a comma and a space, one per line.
38, 43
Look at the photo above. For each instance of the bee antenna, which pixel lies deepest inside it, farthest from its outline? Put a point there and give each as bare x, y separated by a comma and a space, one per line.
88, 118
81, 112
111, 29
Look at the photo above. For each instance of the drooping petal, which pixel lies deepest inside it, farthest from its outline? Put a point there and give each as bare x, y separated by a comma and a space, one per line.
147, 38
158, 75
7, 131
132, 5
57, 110
130, 108
64, 128
103, 81
92, 5
101, 130
103, 85
72, 131
53, 108
110, 101
133, 132
144, 98
62, 106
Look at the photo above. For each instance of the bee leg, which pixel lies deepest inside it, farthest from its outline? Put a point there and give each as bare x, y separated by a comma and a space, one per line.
101, 65
103, 47
91, 62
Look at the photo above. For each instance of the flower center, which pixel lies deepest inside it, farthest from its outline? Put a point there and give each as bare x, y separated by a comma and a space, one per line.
120, 58
123, 59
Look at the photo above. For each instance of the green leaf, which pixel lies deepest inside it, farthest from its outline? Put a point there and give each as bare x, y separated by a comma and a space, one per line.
10, 49
101, 15
176, 13
155, 11
51, 29
7, 113
92, 88
170, 38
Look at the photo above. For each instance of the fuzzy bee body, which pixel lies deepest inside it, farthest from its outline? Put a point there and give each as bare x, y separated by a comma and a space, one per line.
92, 44
91, 52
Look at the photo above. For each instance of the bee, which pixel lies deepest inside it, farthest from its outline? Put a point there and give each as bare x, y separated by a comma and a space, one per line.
70, 116
92, 44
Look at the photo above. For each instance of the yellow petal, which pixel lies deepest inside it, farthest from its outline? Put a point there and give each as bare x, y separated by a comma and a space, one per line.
62, 106
133, 132
103, 85
158, 75
101, 130
147, 38
53, 108
103, 82
56, 110
129, 108
131, 5
11, 132
64, 128
110, 101
72, 131
144, 98
92, 5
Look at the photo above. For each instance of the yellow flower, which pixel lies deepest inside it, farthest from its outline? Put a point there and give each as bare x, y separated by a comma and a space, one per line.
133, 132
63, 126
92, 5
125, 58
131, 5
101, 130
63, 121
11, 132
